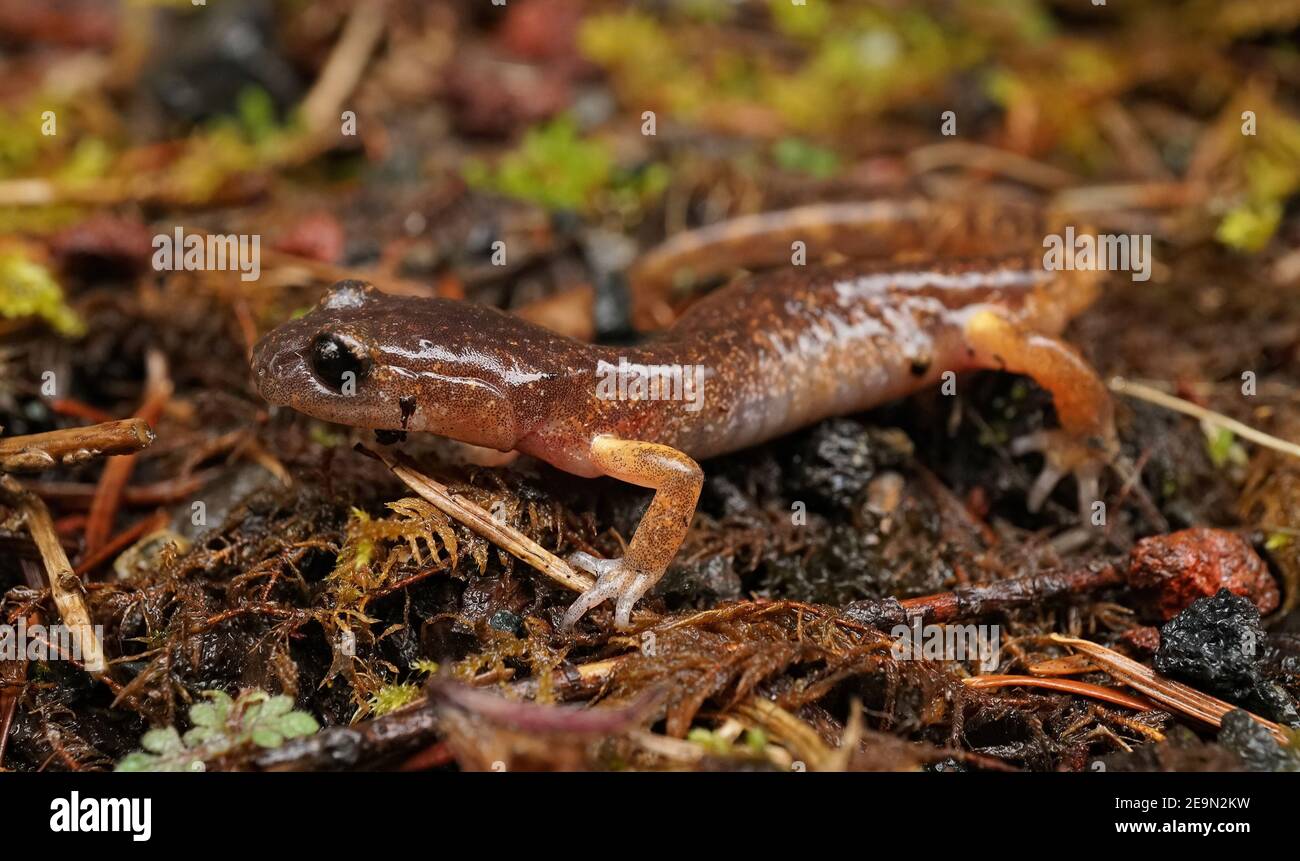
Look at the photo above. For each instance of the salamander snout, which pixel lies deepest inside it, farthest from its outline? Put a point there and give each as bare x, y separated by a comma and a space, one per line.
275, 366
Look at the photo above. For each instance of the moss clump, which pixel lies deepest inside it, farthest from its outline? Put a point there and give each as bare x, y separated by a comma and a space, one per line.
800, 156
390, 698
558, 168
28, 289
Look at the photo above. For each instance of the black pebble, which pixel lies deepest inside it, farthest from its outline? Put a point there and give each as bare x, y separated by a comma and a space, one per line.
1216, 645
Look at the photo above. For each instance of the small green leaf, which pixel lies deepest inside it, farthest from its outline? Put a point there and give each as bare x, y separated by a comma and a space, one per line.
709, 740
257, 114
219, 697
162, 741
137, 762
1222, 446
267, 738
29, 289
1277, 541
800, 156
277, 706
297, 725
206, 715
199, 735
1249, 227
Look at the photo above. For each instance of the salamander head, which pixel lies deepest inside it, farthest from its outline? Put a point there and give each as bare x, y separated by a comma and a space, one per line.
372, 360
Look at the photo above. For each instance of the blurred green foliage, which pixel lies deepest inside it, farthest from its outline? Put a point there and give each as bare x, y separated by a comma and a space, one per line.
556, 167
28, 289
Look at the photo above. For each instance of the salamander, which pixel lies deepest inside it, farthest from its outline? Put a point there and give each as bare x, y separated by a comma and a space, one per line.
754, 360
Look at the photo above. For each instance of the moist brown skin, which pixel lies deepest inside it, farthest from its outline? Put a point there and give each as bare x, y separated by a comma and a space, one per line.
779, 352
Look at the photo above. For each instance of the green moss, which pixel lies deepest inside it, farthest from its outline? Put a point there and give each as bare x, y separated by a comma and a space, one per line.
390, 698
22, 143
556, 167
711, 11
807, 20
91, 158
553, 166
1277, 541
639, 52
752, 744
710, 740
1249, 226
256, 113
800, 156
1267, 166
28, 289
1222, 446
325, 436
39, 220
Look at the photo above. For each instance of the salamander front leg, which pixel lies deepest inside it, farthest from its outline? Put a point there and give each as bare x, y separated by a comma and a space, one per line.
1086, 441
676, 480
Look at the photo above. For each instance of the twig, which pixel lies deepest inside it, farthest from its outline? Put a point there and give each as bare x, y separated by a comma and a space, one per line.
802, 740
1181, 698
483, 523
343, 69
79, 410
65, 586
43, 192
39, 451
973, 156
1126, 196
1121, 386
970, 601
1069, 686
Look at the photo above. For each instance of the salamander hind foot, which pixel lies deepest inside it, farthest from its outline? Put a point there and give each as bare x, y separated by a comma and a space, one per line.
616, 579
1065, 454
1086, 442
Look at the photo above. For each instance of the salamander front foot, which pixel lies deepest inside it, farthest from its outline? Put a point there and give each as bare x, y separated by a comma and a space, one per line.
615, 578
1066, 454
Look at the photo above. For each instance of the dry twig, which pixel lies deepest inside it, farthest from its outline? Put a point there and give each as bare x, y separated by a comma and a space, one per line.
39, 451
65, 586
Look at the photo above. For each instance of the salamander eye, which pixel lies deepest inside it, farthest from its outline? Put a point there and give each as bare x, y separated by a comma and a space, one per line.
338, 363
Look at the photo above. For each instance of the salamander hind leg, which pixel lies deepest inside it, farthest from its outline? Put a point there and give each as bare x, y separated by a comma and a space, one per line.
676, 480
1086, 441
